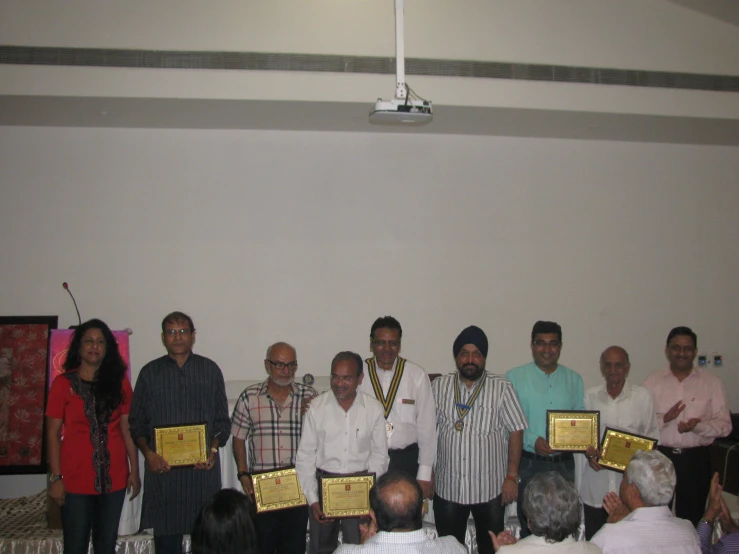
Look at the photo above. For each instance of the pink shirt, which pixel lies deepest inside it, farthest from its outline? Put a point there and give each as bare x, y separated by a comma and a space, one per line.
704, 397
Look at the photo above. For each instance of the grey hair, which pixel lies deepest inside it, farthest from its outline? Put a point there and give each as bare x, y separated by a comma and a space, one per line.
653, 475
552, 507
268, 355
619, 349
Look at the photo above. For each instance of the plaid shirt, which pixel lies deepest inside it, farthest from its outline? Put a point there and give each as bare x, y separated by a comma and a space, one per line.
271, 432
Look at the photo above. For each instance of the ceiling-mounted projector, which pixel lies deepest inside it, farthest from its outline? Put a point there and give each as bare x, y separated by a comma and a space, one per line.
401, 110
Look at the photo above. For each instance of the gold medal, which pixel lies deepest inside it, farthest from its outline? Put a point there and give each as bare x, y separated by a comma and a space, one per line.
388, 428
459, 425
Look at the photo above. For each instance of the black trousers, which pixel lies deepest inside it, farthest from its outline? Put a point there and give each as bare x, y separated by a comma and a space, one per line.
405, 459
451, 519
595, 518
693, 469
282, 531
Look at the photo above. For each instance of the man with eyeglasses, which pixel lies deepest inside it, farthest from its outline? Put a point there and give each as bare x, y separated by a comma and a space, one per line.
404, 390
343, 433
268, 417
544, 385
178, 389
691, 409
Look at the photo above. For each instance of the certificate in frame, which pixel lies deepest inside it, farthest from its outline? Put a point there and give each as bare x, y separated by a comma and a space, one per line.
346, 495
571, 430
277, 490
181, 445
619, 447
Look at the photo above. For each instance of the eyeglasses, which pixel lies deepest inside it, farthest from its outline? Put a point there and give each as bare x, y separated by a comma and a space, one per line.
384, 343
677, 349
175, 332
550, 344
282, 365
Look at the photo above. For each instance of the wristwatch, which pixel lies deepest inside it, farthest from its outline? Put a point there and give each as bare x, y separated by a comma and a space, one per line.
241, 474
515, 478
54, 477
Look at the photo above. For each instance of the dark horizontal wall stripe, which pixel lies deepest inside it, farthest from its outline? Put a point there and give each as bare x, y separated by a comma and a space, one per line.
164, 59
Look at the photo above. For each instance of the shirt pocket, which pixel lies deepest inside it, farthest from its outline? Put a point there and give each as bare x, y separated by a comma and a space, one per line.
406, 412
363, 440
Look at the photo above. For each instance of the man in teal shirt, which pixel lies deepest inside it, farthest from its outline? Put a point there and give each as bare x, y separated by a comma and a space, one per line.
544, 385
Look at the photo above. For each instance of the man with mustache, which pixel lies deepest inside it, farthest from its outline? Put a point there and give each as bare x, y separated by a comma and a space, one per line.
480, 427
343, 433
544, 385
691, 412
405, 392
268, 418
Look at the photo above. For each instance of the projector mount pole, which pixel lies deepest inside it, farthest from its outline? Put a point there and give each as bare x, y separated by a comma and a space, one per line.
401, 92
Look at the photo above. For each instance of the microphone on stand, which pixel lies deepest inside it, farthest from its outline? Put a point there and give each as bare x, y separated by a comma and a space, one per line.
79, 319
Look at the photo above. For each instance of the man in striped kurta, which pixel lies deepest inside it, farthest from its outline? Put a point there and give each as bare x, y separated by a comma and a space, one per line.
480, 427
178, 389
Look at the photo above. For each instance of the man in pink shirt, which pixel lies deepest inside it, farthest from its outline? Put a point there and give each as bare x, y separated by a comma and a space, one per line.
690, 404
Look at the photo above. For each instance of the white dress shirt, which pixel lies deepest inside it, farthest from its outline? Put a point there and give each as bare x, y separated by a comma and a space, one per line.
413, 414
632, 411
539, 545
341, 441
411, 542
648, 531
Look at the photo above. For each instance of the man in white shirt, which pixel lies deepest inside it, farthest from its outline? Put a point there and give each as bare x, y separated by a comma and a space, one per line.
624, 407
396, 524
404, 390
343, 433
639, 519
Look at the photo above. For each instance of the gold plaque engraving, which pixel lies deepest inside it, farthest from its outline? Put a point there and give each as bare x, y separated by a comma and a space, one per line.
181, 445
346, 496
277, 490
619, 447
572, 431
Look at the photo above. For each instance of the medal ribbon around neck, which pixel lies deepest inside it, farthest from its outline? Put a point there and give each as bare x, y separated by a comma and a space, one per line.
387, 402
462, 409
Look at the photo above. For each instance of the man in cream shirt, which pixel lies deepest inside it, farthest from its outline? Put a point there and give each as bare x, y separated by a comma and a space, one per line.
404, 390
343, 433
623, 407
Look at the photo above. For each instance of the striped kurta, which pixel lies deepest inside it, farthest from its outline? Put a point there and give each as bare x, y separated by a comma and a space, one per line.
471, 464
166, 394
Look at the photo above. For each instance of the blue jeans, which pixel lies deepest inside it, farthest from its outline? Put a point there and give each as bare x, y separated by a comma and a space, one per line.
528, 469
99, 513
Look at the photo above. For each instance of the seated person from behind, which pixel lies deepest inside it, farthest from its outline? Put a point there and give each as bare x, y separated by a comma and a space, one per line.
552, 508
224, 526
396, 503
639, 518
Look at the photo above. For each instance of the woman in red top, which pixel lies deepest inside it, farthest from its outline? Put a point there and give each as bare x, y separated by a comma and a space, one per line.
90, 466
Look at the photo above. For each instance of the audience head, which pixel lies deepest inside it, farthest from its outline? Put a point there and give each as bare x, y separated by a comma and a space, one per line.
552, 507
649, 480
397, 502
224, 526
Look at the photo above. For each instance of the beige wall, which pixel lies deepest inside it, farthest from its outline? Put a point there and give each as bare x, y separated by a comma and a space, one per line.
308, 237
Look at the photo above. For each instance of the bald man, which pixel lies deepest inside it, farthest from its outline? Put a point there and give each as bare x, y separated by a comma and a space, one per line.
622, 406
266, 426
395, 525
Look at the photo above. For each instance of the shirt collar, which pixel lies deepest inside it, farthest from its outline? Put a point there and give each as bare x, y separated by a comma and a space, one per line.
263, 389
623, 395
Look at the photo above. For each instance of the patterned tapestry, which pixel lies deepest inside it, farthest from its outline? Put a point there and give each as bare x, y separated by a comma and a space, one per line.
23, 359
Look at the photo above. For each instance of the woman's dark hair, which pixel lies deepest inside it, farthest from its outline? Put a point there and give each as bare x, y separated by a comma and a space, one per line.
224, 526
109, 377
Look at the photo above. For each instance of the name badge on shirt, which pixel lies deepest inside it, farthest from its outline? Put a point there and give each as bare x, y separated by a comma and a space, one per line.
409, 401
